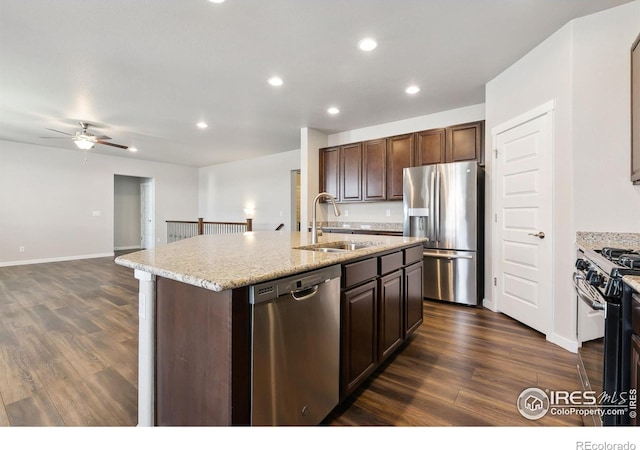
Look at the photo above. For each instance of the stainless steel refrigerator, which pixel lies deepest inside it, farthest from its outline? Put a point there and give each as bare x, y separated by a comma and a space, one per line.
445, 204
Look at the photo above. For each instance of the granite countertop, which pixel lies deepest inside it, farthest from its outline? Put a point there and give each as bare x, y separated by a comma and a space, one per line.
596, 240
633, 281
227, 261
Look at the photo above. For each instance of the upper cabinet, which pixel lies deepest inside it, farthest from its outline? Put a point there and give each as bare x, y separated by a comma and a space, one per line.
373, 170
430, 148
329, 162
464, 142
351, 172
400, 154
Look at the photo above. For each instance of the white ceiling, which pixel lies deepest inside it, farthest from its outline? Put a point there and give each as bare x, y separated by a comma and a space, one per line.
145, 71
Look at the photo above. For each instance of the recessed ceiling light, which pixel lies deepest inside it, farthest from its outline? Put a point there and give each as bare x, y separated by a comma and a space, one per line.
367, 44
333, 110
202, 125
412, 90
275, 81
216, 1
133, 149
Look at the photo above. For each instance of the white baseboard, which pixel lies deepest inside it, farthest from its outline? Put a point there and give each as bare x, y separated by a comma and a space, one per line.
57, 259
127, 247
568, 344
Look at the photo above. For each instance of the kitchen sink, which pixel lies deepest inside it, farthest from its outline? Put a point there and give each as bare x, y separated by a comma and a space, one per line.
339, 246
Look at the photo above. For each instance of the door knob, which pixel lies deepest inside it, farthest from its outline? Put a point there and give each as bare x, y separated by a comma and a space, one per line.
539, 234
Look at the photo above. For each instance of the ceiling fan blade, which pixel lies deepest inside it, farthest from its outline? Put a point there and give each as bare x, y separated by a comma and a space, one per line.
102, 138
52, 137
112, 145
58, 131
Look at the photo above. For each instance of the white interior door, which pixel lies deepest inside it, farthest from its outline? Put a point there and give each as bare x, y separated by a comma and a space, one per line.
523, 266
147, 214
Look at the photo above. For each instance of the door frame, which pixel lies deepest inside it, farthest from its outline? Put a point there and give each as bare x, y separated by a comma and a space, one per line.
150, 211
541, 110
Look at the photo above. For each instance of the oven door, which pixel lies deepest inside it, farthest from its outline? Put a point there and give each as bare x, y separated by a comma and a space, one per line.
591, 310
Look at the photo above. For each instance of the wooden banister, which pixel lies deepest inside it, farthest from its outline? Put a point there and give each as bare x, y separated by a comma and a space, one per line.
182, 229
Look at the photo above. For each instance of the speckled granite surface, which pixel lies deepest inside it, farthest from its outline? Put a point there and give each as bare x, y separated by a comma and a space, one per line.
592, 240
228, 261
633, 281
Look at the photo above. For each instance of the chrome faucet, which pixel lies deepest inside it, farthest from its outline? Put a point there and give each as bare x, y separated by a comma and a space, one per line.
314, 224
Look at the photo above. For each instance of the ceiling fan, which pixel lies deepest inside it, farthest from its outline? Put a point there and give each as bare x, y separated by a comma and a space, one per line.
85, 140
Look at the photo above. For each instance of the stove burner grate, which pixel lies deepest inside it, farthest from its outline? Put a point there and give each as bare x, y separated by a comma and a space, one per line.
613, 253
630, 260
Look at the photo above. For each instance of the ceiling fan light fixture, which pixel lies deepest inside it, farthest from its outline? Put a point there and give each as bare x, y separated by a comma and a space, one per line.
84, 144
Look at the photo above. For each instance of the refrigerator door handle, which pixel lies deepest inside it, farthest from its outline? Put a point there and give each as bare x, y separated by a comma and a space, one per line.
432, 212
437, 205
446, 255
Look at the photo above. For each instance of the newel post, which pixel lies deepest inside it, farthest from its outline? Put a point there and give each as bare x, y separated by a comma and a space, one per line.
249, 224
200, 225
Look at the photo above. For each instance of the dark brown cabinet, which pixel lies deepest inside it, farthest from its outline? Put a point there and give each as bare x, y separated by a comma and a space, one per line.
359, 338
464, 142
374, 170
329, 162
381, 305
351, 172
400, 155
430, 148
414, 297
391, 308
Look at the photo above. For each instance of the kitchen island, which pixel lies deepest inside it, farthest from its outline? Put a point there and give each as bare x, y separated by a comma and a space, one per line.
194, 314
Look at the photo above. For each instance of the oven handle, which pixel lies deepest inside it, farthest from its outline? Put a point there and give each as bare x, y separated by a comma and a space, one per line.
593, 304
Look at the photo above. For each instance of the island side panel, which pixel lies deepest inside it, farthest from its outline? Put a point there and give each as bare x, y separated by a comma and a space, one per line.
146, 347
194, 355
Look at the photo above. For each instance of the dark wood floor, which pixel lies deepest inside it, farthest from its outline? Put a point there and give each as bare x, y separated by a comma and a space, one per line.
68, 356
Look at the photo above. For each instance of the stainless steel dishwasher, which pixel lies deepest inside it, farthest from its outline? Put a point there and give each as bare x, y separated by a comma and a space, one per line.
295, 348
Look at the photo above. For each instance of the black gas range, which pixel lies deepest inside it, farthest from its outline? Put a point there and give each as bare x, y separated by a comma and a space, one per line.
598, 283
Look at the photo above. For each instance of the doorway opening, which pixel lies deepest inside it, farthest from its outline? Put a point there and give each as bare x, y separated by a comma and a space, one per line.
133, 213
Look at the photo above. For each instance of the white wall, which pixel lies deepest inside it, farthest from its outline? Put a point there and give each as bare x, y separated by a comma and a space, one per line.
126, 212
542, 75
437, 120
310, 141
583, 68
262, 183
48, 196
602, 122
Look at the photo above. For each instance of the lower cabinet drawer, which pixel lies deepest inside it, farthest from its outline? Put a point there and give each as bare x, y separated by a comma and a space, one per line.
412, 255
357, 272
390, 263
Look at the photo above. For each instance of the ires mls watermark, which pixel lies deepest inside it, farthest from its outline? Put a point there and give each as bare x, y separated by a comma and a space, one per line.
535, 403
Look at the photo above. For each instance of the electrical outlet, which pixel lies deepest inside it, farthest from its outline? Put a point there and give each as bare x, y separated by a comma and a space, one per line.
96, 213
21, 248
346, 213
388, 212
